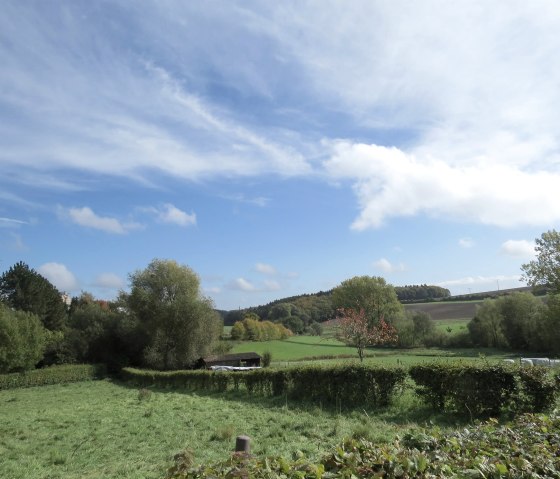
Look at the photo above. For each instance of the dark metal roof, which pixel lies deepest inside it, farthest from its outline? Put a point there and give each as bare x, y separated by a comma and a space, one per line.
232, 357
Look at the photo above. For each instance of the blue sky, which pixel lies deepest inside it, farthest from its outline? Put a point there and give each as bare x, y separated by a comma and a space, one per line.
278, 148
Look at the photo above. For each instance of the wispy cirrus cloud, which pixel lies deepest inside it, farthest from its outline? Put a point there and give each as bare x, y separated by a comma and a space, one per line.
11, 222
141, 116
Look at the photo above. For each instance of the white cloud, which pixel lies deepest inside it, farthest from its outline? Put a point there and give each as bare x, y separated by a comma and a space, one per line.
171, 214
466, 243
60, 276
109, 281
261, 201
518, 248
265, 268
272, 285
86, 217
490, 283
241, 284
386, 266
390, 183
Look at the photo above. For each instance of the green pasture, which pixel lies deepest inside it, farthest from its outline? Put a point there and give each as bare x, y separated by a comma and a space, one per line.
101, 429
296, 347
452, 326
317, 348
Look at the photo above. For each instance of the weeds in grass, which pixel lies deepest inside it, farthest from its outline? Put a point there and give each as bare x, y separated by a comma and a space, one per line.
223, 433
144, 394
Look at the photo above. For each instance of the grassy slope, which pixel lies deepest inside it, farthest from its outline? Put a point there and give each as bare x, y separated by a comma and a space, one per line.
100, 429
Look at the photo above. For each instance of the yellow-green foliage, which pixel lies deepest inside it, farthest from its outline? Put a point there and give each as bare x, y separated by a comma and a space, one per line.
253, 330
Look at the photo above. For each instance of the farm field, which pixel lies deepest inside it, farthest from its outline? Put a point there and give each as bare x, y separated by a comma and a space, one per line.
446, 310
101, 429
301, 348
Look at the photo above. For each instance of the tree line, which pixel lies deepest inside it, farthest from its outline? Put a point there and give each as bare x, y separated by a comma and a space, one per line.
164, 322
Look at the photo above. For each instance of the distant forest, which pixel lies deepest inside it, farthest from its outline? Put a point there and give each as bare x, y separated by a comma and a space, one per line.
299, 313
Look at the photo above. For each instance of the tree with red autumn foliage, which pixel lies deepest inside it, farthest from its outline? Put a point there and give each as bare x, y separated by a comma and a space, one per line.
356, 329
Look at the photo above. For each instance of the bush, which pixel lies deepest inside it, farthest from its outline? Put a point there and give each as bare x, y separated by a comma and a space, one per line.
482, 390
22, 340
52, 375
527, 448
336, 385
266, 359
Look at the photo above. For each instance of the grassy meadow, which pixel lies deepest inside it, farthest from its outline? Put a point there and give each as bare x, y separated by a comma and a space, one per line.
102, 429
317, 348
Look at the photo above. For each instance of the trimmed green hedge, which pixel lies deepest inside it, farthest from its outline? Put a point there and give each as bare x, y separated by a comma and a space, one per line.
484, 389
67, 373
338, 385
476, 390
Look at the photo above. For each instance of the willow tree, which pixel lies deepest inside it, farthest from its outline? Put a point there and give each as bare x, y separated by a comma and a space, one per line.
179, 322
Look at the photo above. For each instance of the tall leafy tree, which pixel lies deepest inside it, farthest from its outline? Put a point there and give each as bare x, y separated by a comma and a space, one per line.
22, 288
180, 324
373, 294
545, 269
22, 340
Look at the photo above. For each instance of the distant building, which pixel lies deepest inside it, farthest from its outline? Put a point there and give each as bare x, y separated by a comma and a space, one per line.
66, 299
236, 360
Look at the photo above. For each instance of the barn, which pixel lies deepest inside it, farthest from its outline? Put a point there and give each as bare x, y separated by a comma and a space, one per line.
239, 360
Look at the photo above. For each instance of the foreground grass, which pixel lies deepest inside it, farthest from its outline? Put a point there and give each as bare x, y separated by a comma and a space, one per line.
105, 430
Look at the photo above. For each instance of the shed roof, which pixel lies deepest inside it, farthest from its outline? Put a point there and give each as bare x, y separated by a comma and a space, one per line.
232, 357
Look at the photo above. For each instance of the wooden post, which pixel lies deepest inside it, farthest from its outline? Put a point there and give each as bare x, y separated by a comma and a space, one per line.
243, 444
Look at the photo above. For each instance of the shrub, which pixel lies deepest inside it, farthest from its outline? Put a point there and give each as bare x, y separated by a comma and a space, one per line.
22, 340
527, 448
336, 385
52, 375
482, 390
266, 359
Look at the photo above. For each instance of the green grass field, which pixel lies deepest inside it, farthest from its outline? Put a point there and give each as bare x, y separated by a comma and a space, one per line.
302, 348
452, 326
104, 430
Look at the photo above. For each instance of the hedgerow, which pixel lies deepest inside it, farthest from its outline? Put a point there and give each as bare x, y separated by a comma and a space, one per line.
339, 385
527, 448
484, 389
52, 375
